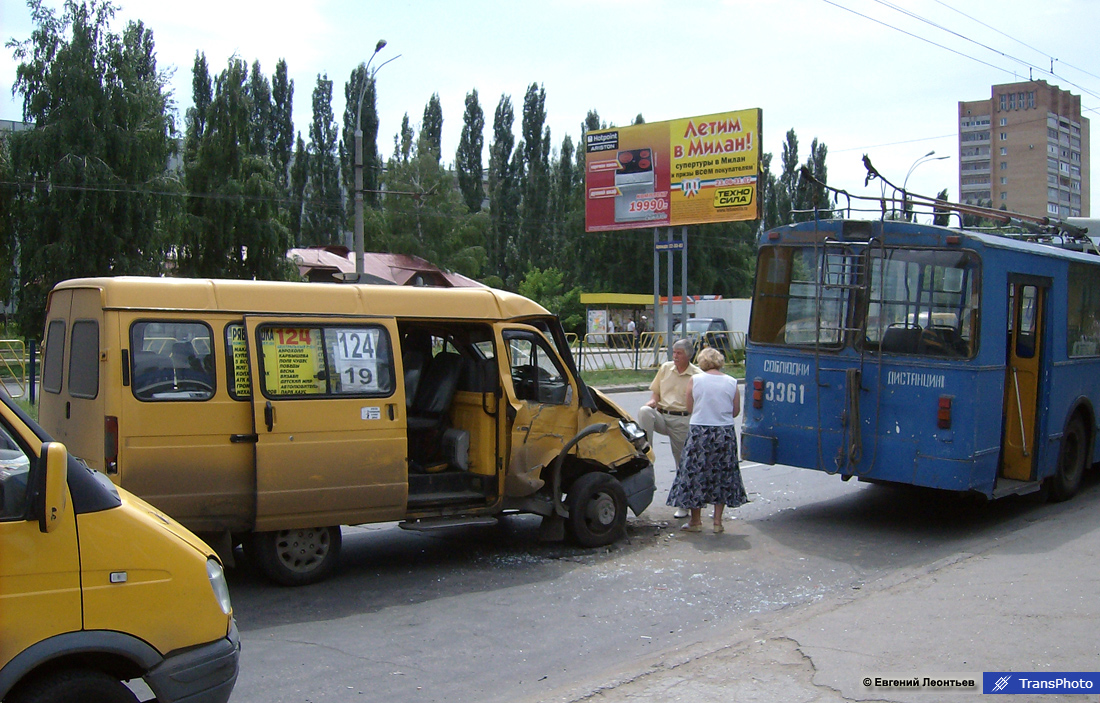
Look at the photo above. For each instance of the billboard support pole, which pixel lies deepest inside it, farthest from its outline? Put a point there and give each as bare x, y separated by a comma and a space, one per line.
656, 287
684, 279
668, 307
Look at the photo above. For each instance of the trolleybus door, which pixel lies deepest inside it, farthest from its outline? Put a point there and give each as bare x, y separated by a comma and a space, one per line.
1025, 348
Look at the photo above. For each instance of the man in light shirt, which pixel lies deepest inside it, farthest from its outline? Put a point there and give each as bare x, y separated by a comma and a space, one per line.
666, 410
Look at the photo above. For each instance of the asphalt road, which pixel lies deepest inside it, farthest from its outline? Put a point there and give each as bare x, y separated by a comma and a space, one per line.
490, 614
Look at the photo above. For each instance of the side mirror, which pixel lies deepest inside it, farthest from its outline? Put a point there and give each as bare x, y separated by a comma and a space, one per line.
53, 501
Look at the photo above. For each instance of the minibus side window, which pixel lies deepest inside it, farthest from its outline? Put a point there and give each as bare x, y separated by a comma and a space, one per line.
171, 360
312, 361
84, 359
54, 361
14, 469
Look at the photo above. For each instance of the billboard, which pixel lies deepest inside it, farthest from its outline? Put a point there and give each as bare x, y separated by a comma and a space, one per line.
680, 172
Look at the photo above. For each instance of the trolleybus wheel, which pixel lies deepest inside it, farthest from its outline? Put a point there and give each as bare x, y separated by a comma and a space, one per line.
1071, 462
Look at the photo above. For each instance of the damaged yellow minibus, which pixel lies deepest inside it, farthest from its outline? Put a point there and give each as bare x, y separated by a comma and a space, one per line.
269, 414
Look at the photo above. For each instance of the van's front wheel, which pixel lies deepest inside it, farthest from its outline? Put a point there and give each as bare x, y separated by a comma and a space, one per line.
597, 510
73, 686
297, 557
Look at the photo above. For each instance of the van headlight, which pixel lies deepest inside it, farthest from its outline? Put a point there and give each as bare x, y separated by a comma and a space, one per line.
216, 574
635, 434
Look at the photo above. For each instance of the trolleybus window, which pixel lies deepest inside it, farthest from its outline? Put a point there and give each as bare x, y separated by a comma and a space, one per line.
922, 301
1083, 315
792, 306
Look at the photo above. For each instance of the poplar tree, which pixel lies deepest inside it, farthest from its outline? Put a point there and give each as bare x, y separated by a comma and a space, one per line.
323, 217
232, 228
372, 163
282, 121
431, 129
468, 164
535, 172
261, 127
503, 191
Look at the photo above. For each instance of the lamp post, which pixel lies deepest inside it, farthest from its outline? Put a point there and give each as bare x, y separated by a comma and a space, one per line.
905, 184
367, 78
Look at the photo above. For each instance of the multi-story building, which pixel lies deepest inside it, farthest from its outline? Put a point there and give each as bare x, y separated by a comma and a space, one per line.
1025, 149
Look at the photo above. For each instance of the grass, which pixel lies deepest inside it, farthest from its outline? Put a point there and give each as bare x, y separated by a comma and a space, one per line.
626, 377
25, 404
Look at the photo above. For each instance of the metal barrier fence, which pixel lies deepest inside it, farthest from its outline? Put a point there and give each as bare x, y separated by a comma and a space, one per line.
13, 366
620, 350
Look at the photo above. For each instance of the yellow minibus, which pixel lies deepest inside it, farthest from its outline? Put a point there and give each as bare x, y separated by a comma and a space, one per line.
98, 588
269, 414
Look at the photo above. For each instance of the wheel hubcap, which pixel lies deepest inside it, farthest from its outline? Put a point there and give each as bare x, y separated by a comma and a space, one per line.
601, 510
302, 551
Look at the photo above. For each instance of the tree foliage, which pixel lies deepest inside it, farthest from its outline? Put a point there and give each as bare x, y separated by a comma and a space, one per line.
95, 164
232, 228
548, 289
323, 216
468, 165
431, 129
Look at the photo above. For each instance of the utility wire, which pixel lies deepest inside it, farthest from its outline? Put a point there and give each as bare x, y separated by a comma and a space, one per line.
1018, 41
929, 22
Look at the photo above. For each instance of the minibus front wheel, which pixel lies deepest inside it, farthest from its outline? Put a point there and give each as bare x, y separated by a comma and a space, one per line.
297, 557
597, 510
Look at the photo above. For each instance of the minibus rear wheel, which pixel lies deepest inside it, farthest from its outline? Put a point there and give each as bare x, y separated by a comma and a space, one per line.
297, 557
72, 686
597, 510
1071, 461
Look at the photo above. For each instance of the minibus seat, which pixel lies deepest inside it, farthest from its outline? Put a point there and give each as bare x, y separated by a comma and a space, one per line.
417, 352
435, 391
427, 418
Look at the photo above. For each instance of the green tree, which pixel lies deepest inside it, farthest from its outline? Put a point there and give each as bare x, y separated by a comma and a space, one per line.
810, 195
547, 288
468, 164
435, 224
534, 170
8, 247
503, 190
97, 156
403, 141
787, 194
261, 127
281, 136
431, 129
372, 162
941, 214
299, 179
232, 227
323, 216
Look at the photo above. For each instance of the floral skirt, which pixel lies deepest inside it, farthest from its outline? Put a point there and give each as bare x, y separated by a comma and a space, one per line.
709, 472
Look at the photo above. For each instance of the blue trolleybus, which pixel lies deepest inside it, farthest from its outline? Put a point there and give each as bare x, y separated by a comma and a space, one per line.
923, 355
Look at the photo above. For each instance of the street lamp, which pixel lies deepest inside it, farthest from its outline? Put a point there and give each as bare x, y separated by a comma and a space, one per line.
905, 184
368, 77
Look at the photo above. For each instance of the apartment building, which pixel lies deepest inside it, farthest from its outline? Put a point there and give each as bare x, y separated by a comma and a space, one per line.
1026, 149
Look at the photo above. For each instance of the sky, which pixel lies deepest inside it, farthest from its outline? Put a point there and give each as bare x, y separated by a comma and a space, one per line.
861, 76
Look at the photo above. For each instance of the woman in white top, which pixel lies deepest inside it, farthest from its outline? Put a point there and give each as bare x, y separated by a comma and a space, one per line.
709, 472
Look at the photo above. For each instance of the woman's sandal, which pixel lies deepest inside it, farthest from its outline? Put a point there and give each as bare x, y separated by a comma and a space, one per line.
719, 527
692, 527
